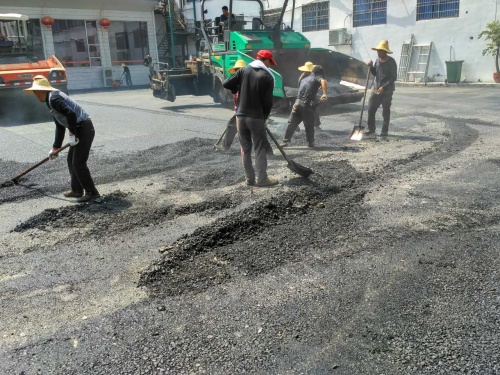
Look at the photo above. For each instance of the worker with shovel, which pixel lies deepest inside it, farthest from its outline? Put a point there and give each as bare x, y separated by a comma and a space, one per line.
227, 138
306, 70
255, 83
303, 109
69, 115
385, 71
230, 132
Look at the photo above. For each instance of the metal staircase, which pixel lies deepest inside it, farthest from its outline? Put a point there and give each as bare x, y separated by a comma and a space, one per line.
171, 34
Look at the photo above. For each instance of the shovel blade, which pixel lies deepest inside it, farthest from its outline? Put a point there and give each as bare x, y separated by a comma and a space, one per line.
299, 169
356, 134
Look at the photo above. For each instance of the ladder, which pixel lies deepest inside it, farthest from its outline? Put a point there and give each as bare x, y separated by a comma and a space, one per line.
405, 59
421, 65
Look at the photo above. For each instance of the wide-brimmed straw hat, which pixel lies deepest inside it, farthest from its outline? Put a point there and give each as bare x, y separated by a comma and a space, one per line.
383, 45
239, 64
307, 67
40, 83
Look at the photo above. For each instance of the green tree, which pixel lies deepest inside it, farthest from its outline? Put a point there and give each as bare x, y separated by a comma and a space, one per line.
492, 36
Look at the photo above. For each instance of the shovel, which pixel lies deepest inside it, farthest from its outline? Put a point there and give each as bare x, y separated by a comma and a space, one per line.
231, 120
357, 131
13, 181
293, 166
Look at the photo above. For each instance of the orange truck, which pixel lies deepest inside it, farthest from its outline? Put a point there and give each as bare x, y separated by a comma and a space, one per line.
18, 66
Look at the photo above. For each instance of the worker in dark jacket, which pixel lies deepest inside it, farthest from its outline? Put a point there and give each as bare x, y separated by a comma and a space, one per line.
385, 71
255, 83
230, 133
304, 106
127, 75
69, 115
306, 70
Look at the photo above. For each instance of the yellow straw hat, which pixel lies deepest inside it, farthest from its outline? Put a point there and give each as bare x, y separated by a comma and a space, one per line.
239, 64
383, 45
307, 67
40, 83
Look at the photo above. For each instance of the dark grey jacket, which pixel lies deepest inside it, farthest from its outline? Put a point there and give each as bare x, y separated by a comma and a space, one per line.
255, 91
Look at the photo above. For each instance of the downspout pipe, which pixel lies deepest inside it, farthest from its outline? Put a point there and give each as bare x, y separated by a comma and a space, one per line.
172, 46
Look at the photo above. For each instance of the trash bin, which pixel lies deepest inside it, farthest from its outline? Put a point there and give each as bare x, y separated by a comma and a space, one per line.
454, 71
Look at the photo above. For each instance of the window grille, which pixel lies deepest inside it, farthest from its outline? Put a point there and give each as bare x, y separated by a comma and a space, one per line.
369, 12
431, 9
316, 16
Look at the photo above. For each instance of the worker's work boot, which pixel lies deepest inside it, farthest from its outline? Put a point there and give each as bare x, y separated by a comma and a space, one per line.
270, 181
284, 143
73, 194
88, 197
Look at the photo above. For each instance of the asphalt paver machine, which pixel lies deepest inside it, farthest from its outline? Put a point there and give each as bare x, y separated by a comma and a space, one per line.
221, 44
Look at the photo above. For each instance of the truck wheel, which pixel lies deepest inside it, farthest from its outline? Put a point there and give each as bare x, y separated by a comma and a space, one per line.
171, 93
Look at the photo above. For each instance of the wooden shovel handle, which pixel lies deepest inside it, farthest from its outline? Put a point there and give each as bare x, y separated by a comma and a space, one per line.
38, 164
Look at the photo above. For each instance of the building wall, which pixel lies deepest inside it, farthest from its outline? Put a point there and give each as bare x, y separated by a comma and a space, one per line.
93, 77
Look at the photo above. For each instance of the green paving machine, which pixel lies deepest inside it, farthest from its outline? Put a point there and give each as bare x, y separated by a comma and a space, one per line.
221, 44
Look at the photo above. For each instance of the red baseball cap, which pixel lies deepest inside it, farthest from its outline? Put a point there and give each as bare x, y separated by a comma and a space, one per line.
266, 54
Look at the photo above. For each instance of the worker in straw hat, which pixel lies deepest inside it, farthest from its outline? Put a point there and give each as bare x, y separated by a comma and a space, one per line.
306, 70
230, 133
304, 107
69, 115
385, 71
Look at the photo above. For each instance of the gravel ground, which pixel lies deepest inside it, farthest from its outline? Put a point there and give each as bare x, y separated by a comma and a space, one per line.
384, 262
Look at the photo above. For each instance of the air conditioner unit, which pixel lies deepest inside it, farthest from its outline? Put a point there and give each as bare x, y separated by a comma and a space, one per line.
338, 36
107, 77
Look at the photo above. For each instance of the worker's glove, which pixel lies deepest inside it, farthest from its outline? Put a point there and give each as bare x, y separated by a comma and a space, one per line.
323, 98
73, 141
53, 153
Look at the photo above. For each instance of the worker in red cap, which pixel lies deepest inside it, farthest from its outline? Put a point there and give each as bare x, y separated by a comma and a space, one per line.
255, 83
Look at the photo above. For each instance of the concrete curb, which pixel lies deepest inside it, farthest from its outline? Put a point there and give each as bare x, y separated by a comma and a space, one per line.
443, 84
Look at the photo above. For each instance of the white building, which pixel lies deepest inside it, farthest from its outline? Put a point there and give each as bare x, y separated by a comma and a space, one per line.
91, 53
452, 26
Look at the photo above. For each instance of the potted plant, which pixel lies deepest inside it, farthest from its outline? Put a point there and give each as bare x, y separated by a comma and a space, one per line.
492, 36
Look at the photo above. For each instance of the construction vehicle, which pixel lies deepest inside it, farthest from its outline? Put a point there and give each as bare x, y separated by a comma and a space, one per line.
18, 66
220, 45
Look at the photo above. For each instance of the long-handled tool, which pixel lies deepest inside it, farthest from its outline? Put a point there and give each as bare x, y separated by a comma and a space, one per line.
232, 121
13, 181
357, 131
293, 166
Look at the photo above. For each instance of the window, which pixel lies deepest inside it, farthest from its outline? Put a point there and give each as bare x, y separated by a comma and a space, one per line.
316, 16
35, 39
430, 9
76, 43
128, 42
369, 12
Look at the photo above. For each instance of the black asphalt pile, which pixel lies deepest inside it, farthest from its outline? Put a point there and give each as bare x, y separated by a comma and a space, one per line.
188, 165
259, 238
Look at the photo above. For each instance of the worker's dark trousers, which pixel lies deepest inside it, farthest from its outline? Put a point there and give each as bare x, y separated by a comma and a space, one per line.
77, 160
231, 131
252, 132
128, 80
384, 99
301, 111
